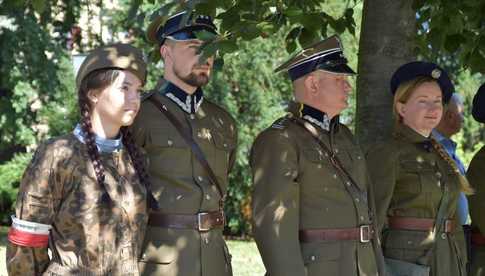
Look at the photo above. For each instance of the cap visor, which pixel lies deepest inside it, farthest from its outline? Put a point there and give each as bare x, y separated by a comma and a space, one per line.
339, 69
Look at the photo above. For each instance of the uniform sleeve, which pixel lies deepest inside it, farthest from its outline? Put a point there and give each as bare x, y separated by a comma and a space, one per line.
35, 203
233, 154
274, 163
137, 129
477, 200
383, 167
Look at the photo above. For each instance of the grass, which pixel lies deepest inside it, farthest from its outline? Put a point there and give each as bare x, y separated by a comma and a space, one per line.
246, 260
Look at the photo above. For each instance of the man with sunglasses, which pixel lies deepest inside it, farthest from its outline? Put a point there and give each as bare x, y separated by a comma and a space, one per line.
190, 143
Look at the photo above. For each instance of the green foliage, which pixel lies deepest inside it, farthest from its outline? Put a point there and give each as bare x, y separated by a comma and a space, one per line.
10, 174
453, 28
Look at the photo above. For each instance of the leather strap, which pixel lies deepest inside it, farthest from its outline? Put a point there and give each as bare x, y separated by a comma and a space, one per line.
352, 189
363, 234
194, 146
419, 224
202, 222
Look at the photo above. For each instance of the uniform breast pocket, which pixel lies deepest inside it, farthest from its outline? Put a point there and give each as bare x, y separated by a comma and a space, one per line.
411, 177
168, 152
224, 146
316, 157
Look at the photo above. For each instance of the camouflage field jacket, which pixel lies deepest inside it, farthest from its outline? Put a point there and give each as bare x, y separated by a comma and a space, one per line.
89, 235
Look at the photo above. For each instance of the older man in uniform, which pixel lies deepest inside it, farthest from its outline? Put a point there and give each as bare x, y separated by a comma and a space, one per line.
190, 143
311, 199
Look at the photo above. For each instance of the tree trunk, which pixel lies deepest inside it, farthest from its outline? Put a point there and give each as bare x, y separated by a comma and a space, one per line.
387, 40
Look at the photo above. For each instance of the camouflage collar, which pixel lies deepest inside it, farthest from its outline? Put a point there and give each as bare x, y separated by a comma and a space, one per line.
104, 145
188, 103
312, 115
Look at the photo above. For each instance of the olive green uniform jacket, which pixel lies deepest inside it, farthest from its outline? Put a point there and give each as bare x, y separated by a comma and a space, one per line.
88, 236
476, 176
409, 175
181, 186
296, 188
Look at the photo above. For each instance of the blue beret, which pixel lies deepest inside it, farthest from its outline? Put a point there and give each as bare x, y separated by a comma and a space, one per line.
172, 27
325, 55
412, 70
478, 110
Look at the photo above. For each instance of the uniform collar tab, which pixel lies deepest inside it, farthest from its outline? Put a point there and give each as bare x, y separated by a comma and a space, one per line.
189, 103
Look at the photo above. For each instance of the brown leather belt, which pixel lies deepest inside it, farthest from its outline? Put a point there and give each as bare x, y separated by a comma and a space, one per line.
418, 224
478, 239
202, 222
364, 234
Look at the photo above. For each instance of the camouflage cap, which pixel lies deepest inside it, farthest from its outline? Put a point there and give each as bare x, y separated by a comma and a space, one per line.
114, 56
325, 55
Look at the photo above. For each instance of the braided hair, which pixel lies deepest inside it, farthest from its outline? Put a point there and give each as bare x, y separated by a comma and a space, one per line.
465, 185
98, 80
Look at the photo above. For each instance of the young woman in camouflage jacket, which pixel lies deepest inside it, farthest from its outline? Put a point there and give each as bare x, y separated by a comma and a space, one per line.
84, 194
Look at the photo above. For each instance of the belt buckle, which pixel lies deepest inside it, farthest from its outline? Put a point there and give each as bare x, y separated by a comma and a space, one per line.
200, 224
448, 225
365, 233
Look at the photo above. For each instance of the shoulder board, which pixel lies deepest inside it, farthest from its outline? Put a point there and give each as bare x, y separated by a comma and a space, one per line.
281, 123
147, 95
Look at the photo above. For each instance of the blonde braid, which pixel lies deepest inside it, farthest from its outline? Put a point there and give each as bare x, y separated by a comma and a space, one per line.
465, 185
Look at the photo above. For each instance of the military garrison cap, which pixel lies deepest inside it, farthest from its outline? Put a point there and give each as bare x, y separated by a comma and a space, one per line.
478, 110
325, 55
173, 27
115, 56
412, 70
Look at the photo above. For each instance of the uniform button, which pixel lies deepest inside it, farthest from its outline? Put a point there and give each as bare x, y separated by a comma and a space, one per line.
438, 174
410, 242
336, 150
192, 116
319, 166
200, 178
439, 183
144, 255
325, 189
225, 145
208, 197
179, 197
206, 240
361, 217
326, 154
334, 175
346, 183
443, 236
359, 157
169, 142
313, 258
357, 200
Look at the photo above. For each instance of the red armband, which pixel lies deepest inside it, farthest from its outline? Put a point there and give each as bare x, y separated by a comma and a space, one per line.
29, 234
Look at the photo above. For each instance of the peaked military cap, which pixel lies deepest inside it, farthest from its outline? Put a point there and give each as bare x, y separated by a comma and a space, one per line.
478, 109
324, 55
115, 56
412, 70
173, 27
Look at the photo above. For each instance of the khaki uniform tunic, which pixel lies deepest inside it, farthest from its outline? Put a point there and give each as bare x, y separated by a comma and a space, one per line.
297, 188
476, 177
409, 175
88, 235
181, 185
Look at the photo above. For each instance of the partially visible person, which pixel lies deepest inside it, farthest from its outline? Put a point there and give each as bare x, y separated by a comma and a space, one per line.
450, 124
84, 194
476, 177
417, 184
